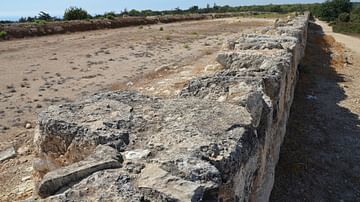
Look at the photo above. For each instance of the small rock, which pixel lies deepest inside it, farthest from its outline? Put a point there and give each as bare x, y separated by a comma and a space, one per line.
28, 125
23, 150
137, 154
26, 178
130, 84
7, 154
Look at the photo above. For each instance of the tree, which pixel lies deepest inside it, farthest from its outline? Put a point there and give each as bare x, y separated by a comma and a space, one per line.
134, 12
74, 13
194, 8
331, 9
44, 16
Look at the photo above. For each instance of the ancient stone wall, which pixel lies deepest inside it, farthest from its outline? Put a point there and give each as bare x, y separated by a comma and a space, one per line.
218, 140
21, 30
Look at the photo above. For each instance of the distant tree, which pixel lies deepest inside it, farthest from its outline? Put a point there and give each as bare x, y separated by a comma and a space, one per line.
44, 16
331, 9
177, 10
194, 8
27, 19
74, 13
134, 12
275, 8
110, 15
23, 19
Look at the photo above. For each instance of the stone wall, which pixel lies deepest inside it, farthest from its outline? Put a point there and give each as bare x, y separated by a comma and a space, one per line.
218, 140
21, 30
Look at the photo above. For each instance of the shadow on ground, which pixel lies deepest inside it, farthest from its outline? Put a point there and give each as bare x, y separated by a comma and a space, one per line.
320, 156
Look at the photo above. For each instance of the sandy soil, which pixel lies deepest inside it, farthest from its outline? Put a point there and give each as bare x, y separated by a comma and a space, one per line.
320, 156
38, 72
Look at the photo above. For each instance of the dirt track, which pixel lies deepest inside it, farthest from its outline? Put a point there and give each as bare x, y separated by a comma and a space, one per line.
320, 156
38, 72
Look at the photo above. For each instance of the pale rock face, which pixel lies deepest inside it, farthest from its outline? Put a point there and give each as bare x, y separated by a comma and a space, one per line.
218, 140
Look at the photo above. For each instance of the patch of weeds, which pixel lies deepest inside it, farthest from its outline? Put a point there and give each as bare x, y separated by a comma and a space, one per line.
194, 33
3, 34
110, 17
168, 37
161, 29
141, 27
187, 46
40, 22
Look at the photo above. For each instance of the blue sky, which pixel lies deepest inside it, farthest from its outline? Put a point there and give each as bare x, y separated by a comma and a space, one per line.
16, 8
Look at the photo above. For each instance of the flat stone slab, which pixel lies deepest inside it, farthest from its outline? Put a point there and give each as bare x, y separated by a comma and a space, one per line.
104, 158
7, 154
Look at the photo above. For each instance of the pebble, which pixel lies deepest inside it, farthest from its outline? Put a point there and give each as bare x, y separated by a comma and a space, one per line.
28, 125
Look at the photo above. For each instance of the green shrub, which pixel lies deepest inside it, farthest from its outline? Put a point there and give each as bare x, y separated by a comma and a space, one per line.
161, 29
3, 34
110, 15
74, 13
346, 27
344, 17
40, 22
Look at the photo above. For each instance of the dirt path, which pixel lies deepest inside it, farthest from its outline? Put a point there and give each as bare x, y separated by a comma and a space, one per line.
320, 156
38, 72
351, 42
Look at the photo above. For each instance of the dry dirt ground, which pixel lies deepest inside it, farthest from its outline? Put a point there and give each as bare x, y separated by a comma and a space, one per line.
38, 72
320, 157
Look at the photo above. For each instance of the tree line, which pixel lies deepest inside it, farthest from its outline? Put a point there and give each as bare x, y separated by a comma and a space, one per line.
75, 13
343, 15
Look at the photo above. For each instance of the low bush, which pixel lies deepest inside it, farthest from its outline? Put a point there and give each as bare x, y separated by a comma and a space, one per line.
344, 17
74, 13
346, 27
3, 34
40, 22
110, 15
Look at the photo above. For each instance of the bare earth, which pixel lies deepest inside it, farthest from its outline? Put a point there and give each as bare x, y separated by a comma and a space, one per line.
320, 157
38, 72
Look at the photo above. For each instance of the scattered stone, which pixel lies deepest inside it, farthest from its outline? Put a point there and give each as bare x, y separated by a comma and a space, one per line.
136, 154
28, 125
7, 154
104, 158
